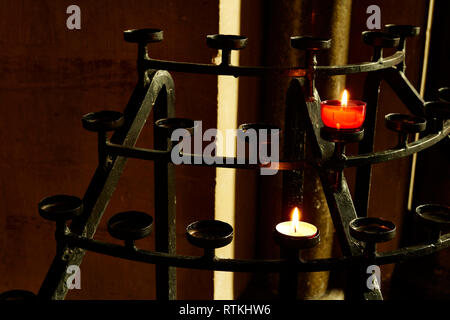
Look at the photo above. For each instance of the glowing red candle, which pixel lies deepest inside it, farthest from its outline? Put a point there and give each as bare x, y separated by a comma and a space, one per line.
343, 114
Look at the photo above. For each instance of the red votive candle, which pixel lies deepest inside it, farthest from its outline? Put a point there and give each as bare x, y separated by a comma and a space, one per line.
343, 114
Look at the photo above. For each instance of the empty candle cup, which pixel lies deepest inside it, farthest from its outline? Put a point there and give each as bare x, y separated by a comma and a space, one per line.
209, 234
169, 125
60, 207
103, 121
444, 94
435, 215
130, 225
368, 229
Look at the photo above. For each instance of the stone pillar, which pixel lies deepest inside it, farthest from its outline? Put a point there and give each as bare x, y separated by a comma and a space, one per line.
286, 18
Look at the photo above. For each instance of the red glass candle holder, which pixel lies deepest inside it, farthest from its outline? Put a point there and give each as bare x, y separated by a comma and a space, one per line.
335, 115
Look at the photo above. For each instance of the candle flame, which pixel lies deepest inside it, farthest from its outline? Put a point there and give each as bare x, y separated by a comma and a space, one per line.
295, 219
344, 100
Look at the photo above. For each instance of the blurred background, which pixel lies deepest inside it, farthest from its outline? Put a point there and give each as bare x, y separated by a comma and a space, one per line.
51, 76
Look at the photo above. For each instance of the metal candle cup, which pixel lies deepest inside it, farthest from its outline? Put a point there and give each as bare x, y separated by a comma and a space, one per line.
293, 236
209, 234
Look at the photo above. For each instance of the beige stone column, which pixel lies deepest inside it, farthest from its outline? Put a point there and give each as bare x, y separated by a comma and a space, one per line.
286, 18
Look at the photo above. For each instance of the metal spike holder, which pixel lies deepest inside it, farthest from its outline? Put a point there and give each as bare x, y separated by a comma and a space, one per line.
154, 92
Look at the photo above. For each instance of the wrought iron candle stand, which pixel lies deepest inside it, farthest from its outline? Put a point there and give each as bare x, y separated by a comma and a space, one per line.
357, 234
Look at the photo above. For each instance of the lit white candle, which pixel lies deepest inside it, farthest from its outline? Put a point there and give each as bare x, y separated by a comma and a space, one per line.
296, 228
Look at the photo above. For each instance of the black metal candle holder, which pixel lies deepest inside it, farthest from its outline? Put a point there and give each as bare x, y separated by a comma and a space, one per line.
403, 32
311, 46
340, 137
438, 109
130, 226
444, 94
226, 43
261, 126
18, 295
143, 37
209, 235
435, 216
438, 112
290, 248
372, 230
261, 140
60, 208
102, 122
380, 40
146, 35
155, 93
169, 125
166, 126
404, 125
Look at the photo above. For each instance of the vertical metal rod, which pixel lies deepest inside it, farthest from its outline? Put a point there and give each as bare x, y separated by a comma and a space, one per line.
370, 252
288, 285
402, 140
59, 235
402, 47
141, 56
377, 53
335, 175
339, 150
364, 173
102, 138
226, 57
165, 228
209, 253
311, 63
130, 244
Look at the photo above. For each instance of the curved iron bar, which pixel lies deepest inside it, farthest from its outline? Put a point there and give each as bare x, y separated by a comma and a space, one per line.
383, 63
257, 71
105, 179
236, 163
242, 265
387, 155
235, 71
199, 160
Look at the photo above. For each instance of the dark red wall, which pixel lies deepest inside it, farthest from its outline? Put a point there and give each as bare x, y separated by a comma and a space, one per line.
49, 77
